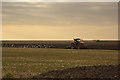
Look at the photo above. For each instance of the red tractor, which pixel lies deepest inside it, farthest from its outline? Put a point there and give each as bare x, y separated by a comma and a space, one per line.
77, 44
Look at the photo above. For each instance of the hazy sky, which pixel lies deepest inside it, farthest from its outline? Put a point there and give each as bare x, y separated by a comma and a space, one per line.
60, 20
61, 0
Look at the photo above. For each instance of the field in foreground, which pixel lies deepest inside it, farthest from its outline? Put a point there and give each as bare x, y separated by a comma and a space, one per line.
27, 62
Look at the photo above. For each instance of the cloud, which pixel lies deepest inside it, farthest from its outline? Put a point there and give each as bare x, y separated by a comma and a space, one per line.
60, 0
63, 20
60, 14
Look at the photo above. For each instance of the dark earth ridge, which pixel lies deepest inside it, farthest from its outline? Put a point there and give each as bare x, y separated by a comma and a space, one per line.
101, 71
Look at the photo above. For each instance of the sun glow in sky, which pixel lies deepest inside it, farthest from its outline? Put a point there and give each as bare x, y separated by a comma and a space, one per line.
59, 20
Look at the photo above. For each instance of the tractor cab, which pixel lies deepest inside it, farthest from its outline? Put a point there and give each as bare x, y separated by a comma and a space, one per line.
77, 40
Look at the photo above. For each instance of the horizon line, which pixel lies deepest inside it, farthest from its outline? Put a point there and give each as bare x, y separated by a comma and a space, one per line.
52, 39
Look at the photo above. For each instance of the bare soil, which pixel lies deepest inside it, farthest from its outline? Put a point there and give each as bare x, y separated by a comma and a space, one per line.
91, 44
101, 71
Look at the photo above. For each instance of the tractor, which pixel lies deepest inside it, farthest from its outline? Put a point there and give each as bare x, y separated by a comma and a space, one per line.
77, 44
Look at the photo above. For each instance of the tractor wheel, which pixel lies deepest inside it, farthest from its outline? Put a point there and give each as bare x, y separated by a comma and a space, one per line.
78, 47
72, 47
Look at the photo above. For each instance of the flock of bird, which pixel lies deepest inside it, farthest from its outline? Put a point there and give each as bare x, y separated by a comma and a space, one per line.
29, 45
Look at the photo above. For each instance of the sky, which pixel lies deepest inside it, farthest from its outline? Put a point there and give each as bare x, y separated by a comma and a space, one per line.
59, 20
60, 0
